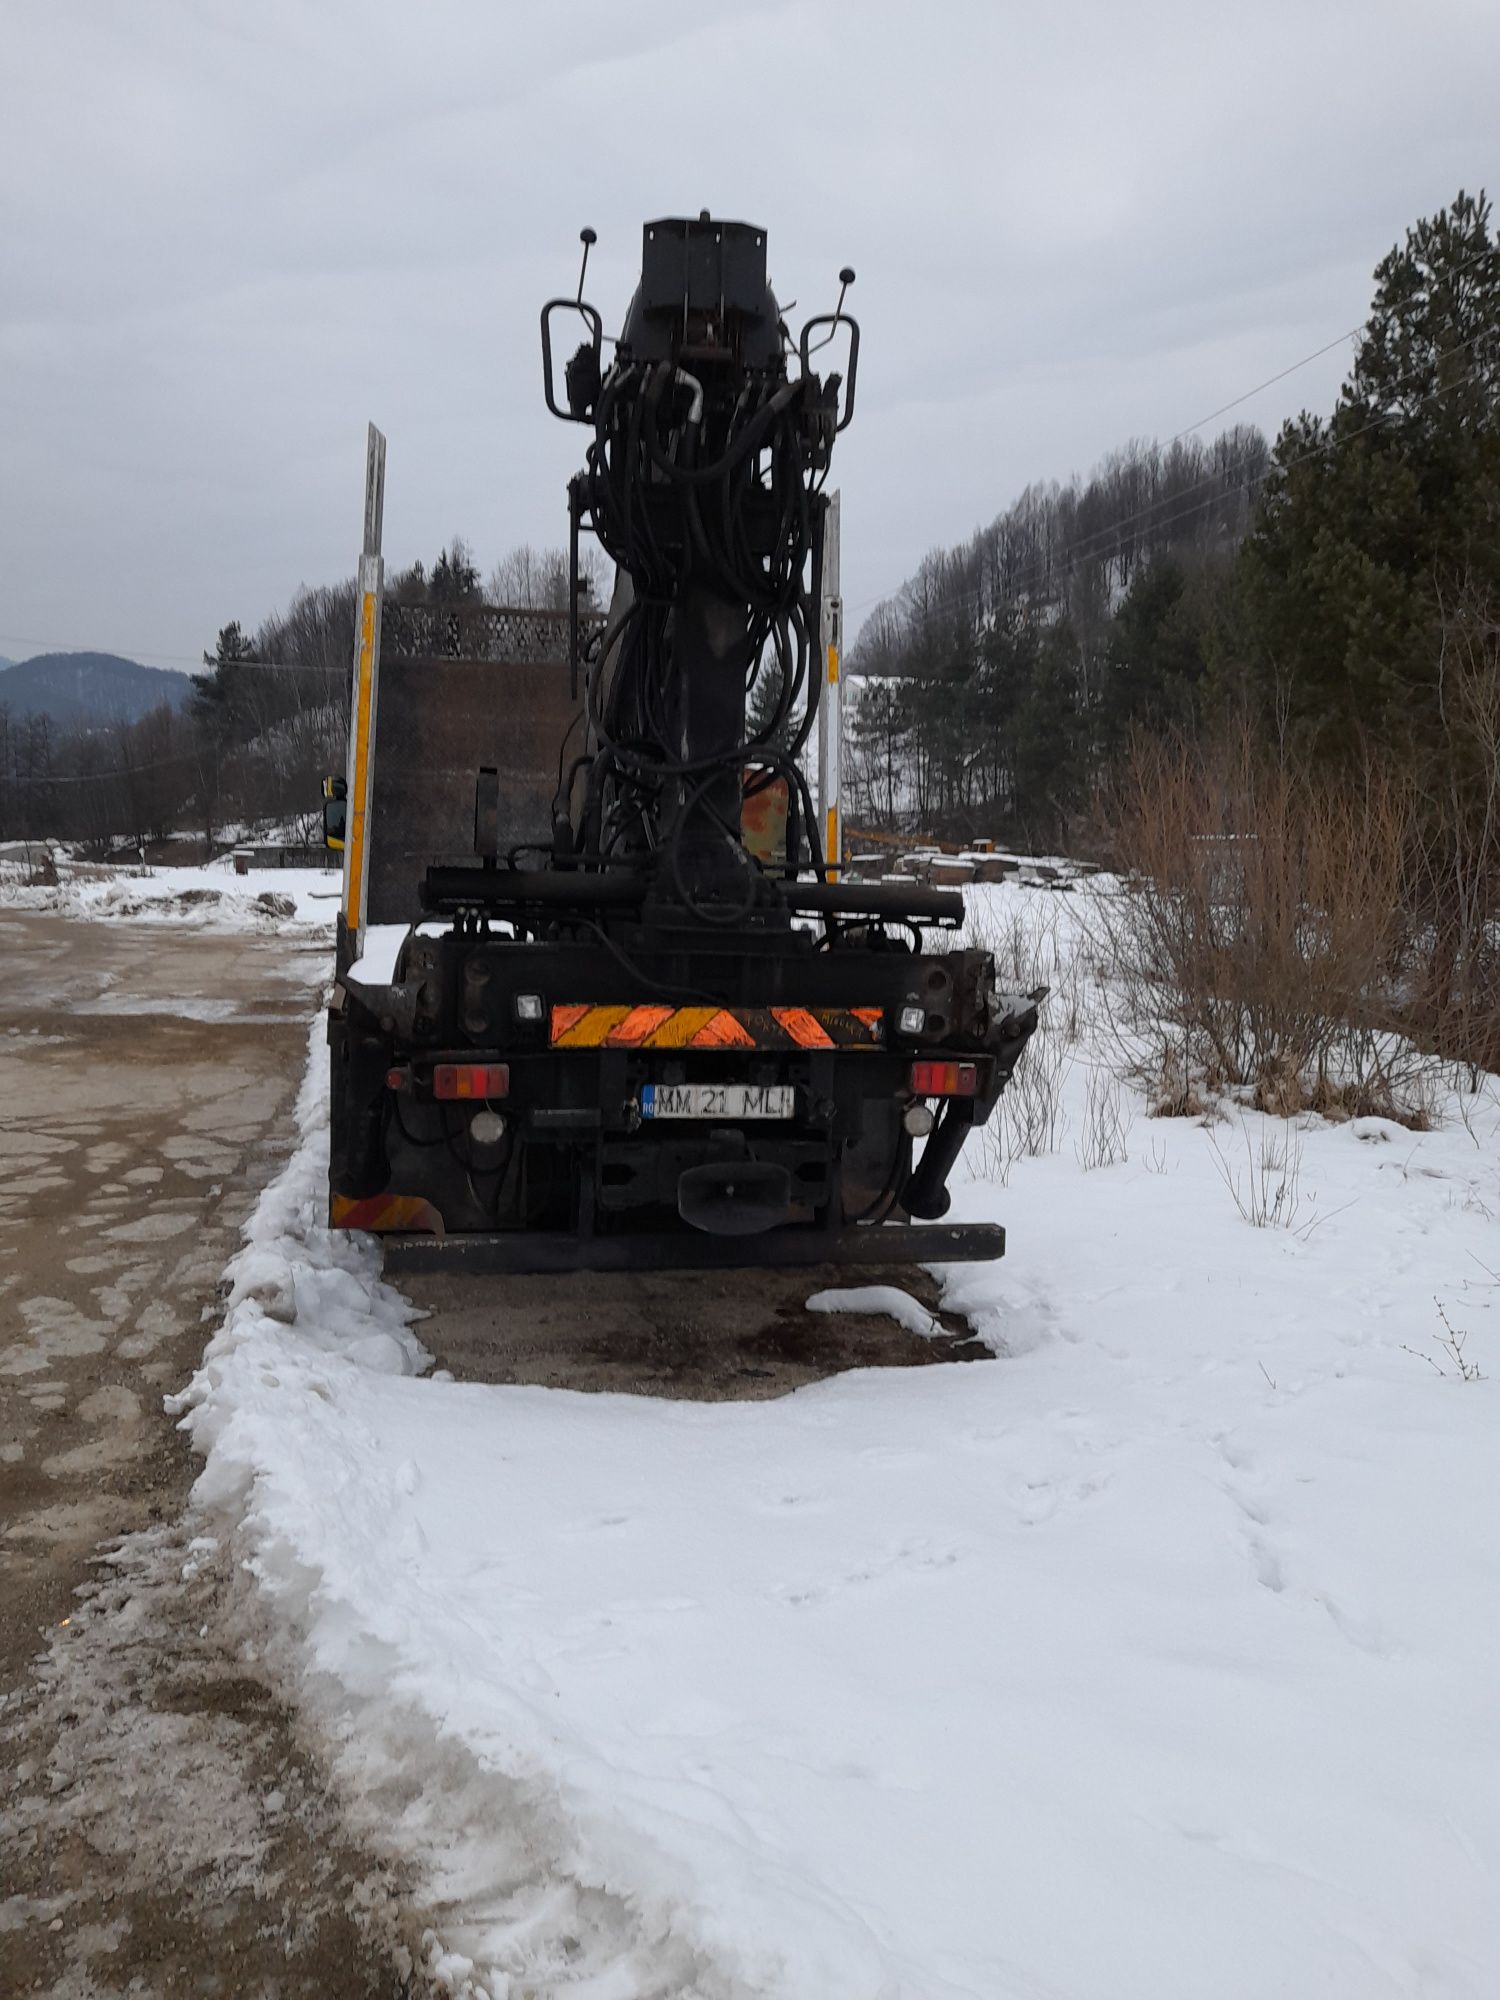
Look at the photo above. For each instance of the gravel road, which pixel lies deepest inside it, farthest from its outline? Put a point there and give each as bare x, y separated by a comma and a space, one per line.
163, 1827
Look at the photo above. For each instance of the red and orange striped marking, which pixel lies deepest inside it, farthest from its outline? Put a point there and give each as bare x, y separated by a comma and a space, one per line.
580, 1026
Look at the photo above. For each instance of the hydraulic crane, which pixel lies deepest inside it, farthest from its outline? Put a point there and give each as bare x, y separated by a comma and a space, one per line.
630, 1031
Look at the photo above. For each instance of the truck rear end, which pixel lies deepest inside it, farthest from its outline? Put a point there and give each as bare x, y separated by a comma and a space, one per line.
533, 1092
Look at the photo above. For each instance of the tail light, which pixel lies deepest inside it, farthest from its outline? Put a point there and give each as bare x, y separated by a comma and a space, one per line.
944, 1079
470, 1079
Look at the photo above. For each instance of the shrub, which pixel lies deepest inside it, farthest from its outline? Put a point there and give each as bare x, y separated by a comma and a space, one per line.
1262, 932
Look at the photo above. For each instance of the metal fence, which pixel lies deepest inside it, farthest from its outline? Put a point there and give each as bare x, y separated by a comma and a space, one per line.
496, 634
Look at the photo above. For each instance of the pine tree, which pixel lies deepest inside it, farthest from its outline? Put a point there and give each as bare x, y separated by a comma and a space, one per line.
217, 692
455, 577
1375, 518
761, 705
1156, 655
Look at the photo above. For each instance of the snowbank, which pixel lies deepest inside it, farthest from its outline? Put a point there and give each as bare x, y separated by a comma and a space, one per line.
1152, 1660
306, 1310
211, 897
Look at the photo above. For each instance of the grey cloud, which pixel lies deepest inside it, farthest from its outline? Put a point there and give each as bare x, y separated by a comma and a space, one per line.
231, 234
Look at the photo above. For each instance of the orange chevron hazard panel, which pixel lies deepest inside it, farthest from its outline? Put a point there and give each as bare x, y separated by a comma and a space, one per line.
384, 1213
579, 1026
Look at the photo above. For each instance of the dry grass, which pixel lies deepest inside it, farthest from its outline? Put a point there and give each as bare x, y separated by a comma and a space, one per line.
1172, 1093
1030, 1118
1451, 1357
1267, 1190
1271, 934
1103, 1142
1031, 947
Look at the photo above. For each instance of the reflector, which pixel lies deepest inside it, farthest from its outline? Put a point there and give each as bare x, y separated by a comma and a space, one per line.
944, 1079
470, 1079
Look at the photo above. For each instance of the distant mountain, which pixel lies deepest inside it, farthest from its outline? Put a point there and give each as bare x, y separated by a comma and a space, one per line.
90, 687
6, 663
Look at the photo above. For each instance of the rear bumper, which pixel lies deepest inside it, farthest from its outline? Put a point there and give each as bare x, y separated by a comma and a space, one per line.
522, 1251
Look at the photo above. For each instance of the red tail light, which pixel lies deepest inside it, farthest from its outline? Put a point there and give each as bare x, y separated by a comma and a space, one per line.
470, 1079
944, 1079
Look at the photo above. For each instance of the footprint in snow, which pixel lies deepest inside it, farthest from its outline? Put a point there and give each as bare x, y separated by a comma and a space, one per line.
1251, 1509
909, 1557
1237, 1457
1364, 1634
1268, 1570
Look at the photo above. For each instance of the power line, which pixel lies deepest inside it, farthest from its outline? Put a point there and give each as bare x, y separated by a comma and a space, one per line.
193, 756
66, 646
1102, 538
115, 771
196, 660
1068, 562
1250, 394
96, 777
1079, 551
279, 667
1318, 353
1479, 257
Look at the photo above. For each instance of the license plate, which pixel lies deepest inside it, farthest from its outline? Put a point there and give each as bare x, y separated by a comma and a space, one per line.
717, 1100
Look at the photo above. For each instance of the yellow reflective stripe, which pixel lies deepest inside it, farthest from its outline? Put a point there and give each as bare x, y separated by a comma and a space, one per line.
356, 828
591, 1030
833, 665
677, 1032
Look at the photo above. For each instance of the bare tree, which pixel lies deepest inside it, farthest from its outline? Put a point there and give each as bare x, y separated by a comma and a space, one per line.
528, 579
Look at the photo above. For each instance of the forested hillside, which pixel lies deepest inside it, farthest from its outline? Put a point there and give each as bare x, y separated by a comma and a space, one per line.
1073, 548
1004, 668
85, 688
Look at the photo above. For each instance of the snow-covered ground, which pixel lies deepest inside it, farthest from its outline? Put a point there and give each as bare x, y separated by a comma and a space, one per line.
1153, 1660
210, 897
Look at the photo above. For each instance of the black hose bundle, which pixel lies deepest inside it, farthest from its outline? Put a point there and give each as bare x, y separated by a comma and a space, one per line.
701, 488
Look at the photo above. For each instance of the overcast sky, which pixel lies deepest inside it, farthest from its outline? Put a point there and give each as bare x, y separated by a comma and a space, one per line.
233, 230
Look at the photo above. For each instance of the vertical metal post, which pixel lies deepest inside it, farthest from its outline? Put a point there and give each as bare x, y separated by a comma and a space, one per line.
830, 710
361, 773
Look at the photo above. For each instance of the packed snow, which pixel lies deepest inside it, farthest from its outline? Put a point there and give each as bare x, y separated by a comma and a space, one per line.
899, 1306
380, 947
1152, 1659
